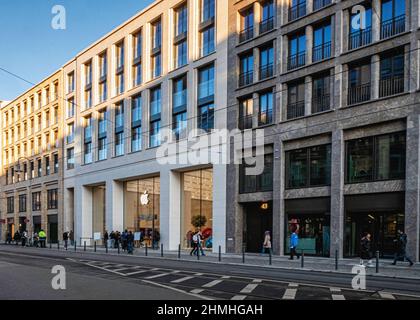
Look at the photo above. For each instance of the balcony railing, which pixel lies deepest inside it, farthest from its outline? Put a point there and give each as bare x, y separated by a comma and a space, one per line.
266, 71
391, 85
297, 11
296, 110
246, 34
321, 103
358, 94
246, 78
245, 122
318, 4
321, 52
265, 117
392, 27
267, 25
360, 38
296, 61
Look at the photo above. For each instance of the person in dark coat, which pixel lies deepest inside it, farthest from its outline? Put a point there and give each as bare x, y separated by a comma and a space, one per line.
8, 238
130, 242
66, 239
365, 248
106, 238
400, 248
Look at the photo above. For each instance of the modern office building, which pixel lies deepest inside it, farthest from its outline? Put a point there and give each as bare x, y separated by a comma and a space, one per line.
337, 98
31, 161
165, 68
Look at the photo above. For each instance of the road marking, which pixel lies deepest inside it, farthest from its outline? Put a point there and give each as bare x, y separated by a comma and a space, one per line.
138, 272
177, 290
238, 297
257, 281
197, 291
290, 294
386, 295
293, 285
226, 277
198, 274
336, 294
249, 288
212, 284
157, 276
182, 280
126, 268
335, 289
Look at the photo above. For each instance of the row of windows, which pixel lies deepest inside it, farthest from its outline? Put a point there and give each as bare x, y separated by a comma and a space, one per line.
52, 202
26, 107
359, 90
205, 119
32, 169
368, 159
207, 46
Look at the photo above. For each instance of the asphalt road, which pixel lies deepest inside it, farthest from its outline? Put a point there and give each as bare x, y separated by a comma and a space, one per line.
26, 273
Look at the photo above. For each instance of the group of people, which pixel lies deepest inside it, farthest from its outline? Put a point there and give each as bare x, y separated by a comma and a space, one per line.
400, 245
197, 244
127, 240
38, 239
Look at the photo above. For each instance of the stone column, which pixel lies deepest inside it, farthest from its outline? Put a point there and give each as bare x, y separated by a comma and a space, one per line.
374, 78
308, 95
278, 216
114, 205
344, 85
338, 87
83, 214
412, 194
337, 193
309, 33
309, 6
410, 68
219, 207
68, 209
170, 209
376, 20
255, 110
284, 54
345, 23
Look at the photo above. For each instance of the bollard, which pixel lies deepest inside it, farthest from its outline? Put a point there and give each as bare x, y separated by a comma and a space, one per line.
377, 261
336, 259
243, 254
161, 250
270, 257
50, 245
179, 251
302, 261
58, 244
145, 248
220, 253
84, 246
118, 246
75, 246
94, 245
106, 246
198, 253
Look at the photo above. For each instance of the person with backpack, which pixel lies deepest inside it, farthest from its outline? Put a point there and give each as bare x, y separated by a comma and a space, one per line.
294, 242
400, 248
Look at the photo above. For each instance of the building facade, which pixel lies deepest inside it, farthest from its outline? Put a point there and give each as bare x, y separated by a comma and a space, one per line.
32, 171
163, 69
337, 98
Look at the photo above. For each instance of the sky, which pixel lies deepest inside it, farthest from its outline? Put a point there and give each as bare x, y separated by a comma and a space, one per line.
32, 49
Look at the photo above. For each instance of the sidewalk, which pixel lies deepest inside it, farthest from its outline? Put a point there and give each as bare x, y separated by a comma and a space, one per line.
402, 270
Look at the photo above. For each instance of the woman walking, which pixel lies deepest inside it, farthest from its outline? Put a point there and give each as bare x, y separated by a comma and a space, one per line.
267, 243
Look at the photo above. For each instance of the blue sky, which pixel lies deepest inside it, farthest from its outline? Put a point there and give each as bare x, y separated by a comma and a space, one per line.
32, 49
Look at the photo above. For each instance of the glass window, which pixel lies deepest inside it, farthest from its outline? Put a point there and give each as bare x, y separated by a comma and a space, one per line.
120, 55
156, 65
136, 109
207, 10
390, 156
179, 98
181, 20
181, 52
360, 160
52, 199
157, 34
322, 43
251, 183
266, 108
207, 41
10, 204
155, 101
102, 148
180, 125
206, 117
70, 158
22, 203
36, 201
119, 144
136, 139
266, 62
142, 209
119, 116
206, 82
246, 69
155, 134
137, 45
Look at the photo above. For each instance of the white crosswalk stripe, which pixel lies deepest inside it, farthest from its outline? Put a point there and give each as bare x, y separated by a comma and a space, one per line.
197, 291
336, 294
249, 288
239, 297
139, 272
386, 295
290, 293
182, 280
212, 284
157, 276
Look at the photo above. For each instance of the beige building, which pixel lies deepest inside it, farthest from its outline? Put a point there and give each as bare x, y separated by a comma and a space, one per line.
31, 182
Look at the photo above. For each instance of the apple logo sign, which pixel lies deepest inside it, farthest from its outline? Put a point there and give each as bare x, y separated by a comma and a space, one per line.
144, 199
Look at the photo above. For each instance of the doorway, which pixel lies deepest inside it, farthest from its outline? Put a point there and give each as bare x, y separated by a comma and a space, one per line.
382, 226
258, 220
53, 228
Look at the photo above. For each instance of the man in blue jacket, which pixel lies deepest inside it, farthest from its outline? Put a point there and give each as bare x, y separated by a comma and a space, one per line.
294, 242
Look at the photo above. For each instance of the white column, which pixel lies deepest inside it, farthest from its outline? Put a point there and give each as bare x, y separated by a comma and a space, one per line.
114, 206
83, 214
170, 209
376, 20
219, 207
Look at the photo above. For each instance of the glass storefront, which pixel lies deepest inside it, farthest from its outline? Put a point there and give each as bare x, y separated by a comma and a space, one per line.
313, 231
98, 210
310, 217
197, 206
142, 209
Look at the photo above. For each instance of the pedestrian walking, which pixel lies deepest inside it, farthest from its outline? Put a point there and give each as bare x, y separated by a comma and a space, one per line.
400, 248
106, 239
42, 238
124, 240
194, 244
16, 237
71, 237
294, 242
267, 243
24, 238
365, 250
8, 238
66, 239
130, 242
